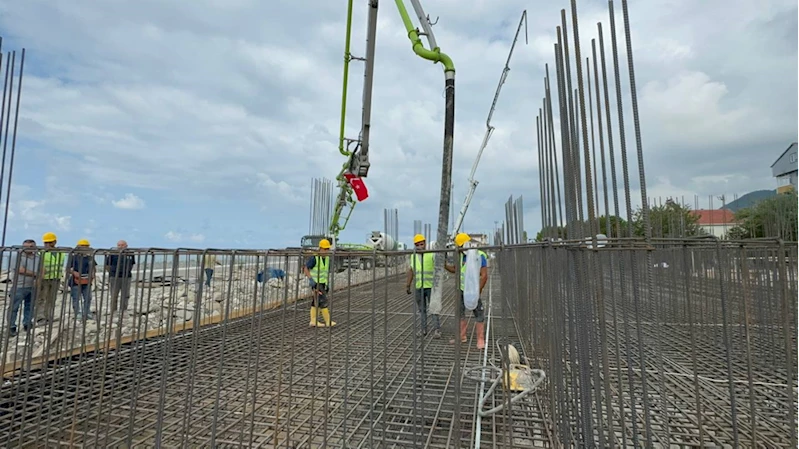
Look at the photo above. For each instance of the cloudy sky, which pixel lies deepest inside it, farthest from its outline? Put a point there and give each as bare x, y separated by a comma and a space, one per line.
201, 124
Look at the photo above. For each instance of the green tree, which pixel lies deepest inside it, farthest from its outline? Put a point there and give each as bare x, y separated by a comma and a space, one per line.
549, 231
772, 217
670, 219
616, 224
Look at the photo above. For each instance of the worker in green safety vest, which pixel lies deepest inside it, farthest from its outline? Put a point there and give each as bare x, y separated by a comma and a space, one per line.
52, 275
479, 316
317, 269
421, 266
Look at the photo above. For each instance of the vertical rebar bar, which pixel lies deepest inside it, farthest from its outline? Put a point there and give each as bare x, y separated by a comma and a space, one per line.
13, 146
589, 183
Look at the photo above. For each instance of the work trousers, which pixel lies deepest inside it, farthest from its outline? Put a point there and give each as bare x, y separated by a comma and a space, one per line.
209, 273
120, 285
22, 295
479, 315
320, 296
84, 292
422, 305
45, 300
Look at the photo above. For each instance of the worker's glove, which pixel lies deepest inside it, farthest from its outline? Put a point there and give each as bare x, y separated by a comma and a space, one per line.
312, 283
408, 290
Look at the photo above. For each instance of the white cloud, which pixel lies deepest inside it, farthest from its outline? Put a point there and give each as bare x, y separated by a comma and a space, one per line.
33, 215
177, 237
279, 188
90, 228
248, 124
129, 201
402, 204
173, 236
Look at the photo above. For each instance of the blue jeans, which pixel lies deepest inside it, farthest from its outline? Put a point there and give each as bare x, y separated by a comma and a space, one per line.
86, 292
23, 294
209, 273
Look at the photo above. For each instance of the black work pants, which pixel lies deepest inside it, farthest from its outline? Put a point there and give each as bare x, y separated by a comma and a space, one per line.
320, 296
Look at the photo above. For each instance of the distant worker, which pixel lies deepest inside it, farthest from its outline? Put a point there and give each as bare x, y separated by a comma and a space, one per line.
210, 264
271, 273
23, 275
83, 268
422, 267
50, 284
120, 271
276, 273
317, 269
479, 316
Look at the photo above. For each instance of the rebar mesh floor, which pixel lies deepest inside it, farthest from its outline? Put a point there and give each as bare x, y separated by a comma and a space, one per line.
271, 380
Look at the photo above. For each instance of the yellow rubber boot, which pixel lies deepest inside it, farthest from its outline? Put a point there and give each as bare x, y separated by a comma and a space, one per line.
326, 315
314, 317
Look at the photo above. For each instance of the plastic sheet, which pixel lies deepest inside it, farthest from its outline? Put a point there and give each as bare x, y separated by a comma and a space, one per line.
471, 281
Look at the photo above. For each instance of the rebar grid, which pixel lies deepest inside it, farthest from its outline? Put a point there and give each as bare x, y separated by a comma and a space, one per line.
719, 366
250, 371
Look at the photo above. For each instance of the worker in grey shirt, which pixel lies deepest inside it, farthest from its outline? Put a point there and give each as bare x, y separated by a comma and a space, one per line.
25, 266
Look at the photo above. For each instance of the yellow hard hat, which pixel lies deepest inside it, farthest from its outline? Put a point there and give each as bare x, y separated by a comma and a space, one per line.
324, 243
462, 238
418, 238
83, 242
49, 237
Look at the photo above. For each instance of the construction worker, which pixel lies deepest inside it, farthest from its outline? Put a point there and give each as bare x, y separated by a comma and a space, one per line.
120, 271
50, 283
23, 274
317, 269
82, 268
422, 267
210, 264
479, 316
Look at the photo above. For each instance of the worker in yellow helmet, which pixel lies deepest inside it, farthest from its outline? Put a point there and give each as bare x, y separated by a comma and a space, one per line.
421, 266
317, 270
50, 282
479, 316
83, 269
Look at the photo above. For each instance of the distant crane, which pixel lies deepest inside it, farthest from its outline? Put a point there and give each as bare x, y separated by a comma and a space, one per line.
489, 129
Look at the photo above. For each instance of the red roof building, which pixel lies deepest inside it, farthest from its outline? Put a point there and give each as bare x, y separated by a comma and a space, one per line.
715, 221
710, 217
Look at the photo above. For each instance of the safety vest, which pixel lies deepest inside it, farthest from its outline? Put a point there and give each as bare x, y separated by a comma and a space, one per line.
463, 266
423, 266
319, 271
53, 265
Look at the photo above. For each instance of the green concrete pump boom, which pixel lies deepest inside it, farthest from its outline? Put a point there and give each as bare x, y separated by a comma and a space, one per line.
435, 55
358, 158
